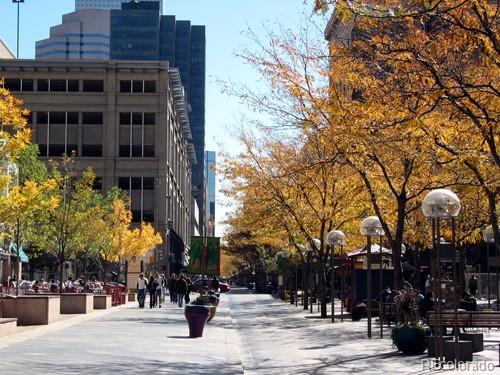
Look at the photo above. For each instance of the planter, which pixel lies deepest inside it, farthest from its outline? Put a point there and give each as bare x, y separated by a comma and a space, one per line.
196, 316
213, 310
409, 340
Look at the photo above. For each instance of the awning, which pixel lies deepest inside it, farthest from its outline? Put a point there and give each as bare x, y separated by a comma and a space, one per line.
22, 255
374, 250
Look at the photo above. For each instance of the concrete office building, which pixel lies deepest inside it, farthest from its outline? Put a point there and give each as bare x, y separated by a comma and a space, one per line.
105, 4
126, 120
83, 35
137, 31
210, 176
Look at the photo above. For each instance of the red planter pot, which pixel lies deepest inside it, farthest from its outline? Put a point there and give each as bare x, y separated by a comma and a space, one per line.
196, 316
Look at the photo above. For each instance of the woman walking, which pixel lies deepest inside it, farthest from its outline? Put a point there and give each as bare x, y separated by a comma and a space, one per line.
152, 292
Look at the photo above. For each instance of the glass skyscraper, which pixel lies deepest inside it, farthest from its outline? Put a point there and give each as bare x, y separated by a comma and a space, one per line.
210, 174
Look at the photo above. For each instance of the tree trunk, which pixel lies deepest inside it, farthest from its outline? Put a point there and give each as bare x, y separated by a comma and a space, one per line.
61, 270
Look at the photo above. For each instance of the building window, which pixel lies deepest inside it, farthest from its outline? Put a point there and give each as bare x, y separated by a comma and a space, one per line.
53, 85
93, 85
12, 84
137, 86
141, 192
137, 134
92, 134
57, 133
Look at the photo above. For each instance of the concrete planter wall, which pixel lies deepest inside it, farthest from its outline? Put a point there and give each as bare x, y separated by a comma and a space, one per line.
102, 302
77, 303
32, 310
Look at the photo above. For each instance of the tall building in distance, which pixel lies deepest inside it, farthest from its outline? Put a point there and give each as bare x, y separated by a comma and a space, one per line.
83, 35
210, 176
106, 4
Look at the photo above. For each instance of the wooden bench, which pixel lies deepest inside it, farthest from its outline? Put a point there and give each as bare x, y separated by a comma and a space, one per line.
466, 319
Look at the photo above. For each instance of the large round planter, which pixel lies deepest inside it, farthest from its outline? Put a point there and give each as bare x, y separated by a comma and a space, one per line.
409, 340
213, 310
196, 316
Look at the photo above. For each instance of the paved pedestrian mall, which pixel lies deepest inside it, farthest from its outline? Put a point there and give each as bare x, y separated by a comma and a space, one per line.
251, 334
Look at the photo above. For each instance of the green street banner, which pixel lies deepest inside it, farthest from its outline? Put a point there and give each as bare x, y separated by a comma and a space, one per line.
204, 259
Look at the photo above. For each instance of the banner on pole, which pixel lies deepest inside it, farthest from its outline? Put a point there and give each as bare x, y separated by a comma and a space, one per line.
204, 256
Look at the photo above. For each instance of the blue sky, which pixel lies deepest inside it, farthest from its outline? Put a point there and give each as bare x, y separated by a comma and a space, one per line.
225, 21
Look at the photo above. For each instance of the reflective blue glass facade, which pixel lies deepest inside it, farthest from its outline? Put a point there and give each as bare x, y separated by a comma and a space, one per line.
138, 32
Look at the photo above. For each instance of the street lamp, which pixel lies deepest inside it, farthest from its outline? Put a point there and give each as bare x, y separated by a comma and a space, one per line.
309, 249
436, 205
17, 2
370, 227
489, 238
335, 237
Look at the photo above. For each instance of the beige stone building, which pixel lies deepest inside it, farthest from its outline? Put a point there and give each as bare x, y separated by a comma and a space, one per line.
128, 121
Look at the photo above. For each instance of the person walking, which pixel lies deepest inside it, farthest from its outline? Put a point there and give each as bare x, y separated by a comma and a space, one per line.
163, 288
473, 285
215, 284
171, 288
189, 289
180, 289
142, 286
158, 281
152, 292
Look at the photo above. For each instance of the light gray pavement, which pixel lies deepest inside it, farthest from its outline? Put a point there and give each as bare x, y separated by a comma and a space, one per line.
125, 341
277, 338
251, 333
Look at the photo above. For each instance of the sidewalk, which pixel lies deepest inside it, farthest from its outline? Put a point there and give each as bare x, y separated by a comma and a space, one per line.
279, 338
128, 341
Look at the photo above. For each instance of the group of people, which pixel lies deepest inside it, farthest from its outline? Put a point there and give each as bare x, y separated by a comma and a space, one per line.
179, 287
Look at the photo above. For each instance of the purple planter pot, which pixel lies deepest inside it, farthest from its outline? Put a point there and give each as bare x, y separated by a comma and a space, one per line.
196, 316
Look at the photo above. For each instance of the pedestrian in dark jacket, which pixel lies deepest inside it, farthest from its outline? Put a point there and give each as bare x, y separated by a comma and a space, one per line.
171, 288
152, 284
181, 289
189, 289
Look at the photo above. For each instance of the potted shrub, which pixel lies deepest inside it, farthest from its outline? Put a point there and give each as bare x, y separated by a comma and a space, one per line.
213, 302
409, 336
197, 313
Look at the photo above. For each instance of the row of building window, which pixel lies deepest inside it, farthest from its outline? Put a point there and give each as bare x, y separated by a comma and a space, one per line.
75, 85
57, 133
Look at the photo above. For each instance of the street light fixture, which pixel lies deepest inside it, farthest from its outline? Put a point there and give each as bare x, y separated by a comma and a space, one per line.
370, 227
436, 205
17, 2
489, 238
334, 238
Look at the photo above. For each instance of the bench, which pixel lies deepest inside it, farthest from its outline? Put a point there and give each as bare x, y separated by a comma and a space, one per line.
466, 319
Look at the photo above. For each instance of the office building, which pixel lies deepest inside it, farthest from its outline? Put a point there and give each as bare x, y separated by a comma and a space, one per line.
129, 122
83, 35
210, 178
106, 4
137, 32
5, 51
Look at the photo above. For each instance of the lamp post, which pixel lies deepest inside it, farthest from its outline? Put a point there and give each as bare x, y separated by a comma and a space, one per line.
436, 205
369, 228
335, 237
17, 2
489, 238
309, 249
